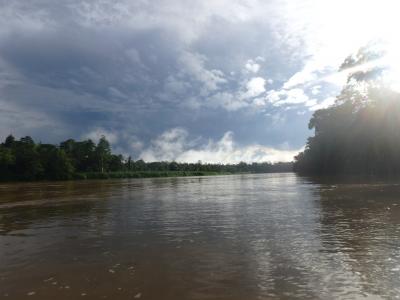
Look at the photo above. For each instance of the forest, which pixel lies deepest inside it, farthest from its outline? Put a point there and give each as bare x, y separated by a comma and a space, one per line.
360, 133
26, 160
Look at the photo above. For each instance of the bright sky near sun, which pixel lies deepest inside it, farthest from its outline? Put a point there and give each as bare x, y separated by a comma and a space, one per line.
217, 81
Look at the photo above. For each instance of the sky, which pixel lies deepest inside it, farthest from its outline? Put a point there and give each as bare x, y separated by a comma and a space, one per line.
217, 81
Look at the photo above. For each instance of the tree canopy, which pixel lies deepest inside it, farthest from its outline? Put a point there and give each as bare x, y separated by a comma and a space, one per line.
360, 133
24, 159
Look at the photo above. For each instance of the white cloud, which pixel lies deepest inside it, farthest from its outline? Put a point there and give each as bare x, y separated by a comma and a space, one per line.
194, 65
302, 77
252, 66
273, 96
316, 90
295, 96
311, 102
260, 102
324, 104
255, 86
242, 98
228, 101
167, 146
136, 145
289, 97
175, 144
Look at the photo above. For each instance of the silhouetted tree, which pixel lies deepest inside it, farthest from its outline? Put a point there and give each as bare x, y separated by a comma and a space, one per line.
360, 133
9, 142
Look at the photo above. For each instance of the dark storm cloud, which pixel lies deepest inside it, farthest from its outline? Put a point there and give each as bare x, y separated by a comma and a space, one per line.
135, 69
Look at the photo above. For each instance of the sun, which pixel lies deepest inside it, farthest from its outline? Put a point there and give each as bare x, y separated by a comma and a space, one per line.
391, 60
382, 24
344, 26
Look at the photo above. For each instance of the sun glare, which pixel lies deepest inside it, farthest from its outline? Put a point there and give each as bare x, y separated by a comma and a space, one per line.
342, 27
392, 63
378, 21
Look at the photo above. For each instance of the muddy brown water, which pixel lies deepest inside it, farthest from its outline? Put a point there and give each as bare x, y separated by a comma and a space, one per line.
267, 236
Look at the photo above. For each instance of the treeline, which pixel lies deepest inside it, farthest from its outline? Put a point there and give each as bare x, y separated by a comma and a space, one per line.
360, 133
24, 159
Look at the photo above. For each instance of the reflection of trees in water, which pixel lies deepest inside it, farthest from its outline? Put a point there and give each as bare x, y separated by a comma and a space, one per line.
360, 225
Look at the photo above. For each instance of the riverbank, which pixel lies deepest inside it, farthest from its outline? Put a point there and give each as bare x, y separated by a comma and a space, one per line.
25, 160
122, 175
136, 174
144, 174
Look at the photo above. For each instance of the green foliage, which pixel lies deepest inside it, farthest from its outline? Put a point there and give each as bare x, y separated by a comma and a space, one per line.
82, 154
7, 161
25, 160
9, 142
103, 154
56, 163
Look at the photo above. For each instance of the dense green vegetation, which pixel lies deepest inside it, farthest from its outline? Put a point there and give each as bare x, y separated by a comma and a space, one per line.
360, 133
24, 159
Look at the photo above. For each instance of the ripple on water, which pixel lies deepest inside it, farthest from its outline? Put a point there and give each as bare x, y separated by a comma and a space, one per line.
269, 236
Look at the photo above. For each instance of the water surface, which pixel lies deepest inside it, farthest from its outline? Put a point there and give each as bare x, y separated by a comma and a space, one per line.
269, 236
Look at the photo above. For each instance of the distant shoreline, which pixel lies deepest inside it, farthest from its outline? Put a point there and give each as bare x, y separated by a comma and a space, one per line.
25, 160
138, 175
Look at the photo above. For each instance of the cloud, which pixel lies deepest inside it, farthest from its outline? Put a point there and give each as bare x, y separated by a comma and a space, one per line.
255, 86
324, 104
121, 142
11, 116
168, 146
193, 64
300, 78
252, 66
288, 97
316, 90
98, 133
131, 69
175, 144
229, 101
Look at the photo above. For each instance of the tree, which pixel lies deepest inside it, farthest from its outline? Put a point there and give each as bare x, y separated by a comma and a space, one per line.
116, 163
27, 161
7, 162
9, 142
55, 162
103, 154
359, 133
129, 164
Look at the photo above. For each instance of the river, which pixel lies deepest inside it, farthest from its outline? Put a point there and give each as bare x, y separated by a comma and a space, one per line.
266, 236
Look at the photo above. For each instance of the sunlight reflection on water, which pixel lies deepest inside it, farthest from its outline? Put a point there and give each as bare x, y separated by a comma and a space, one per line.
268, 236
